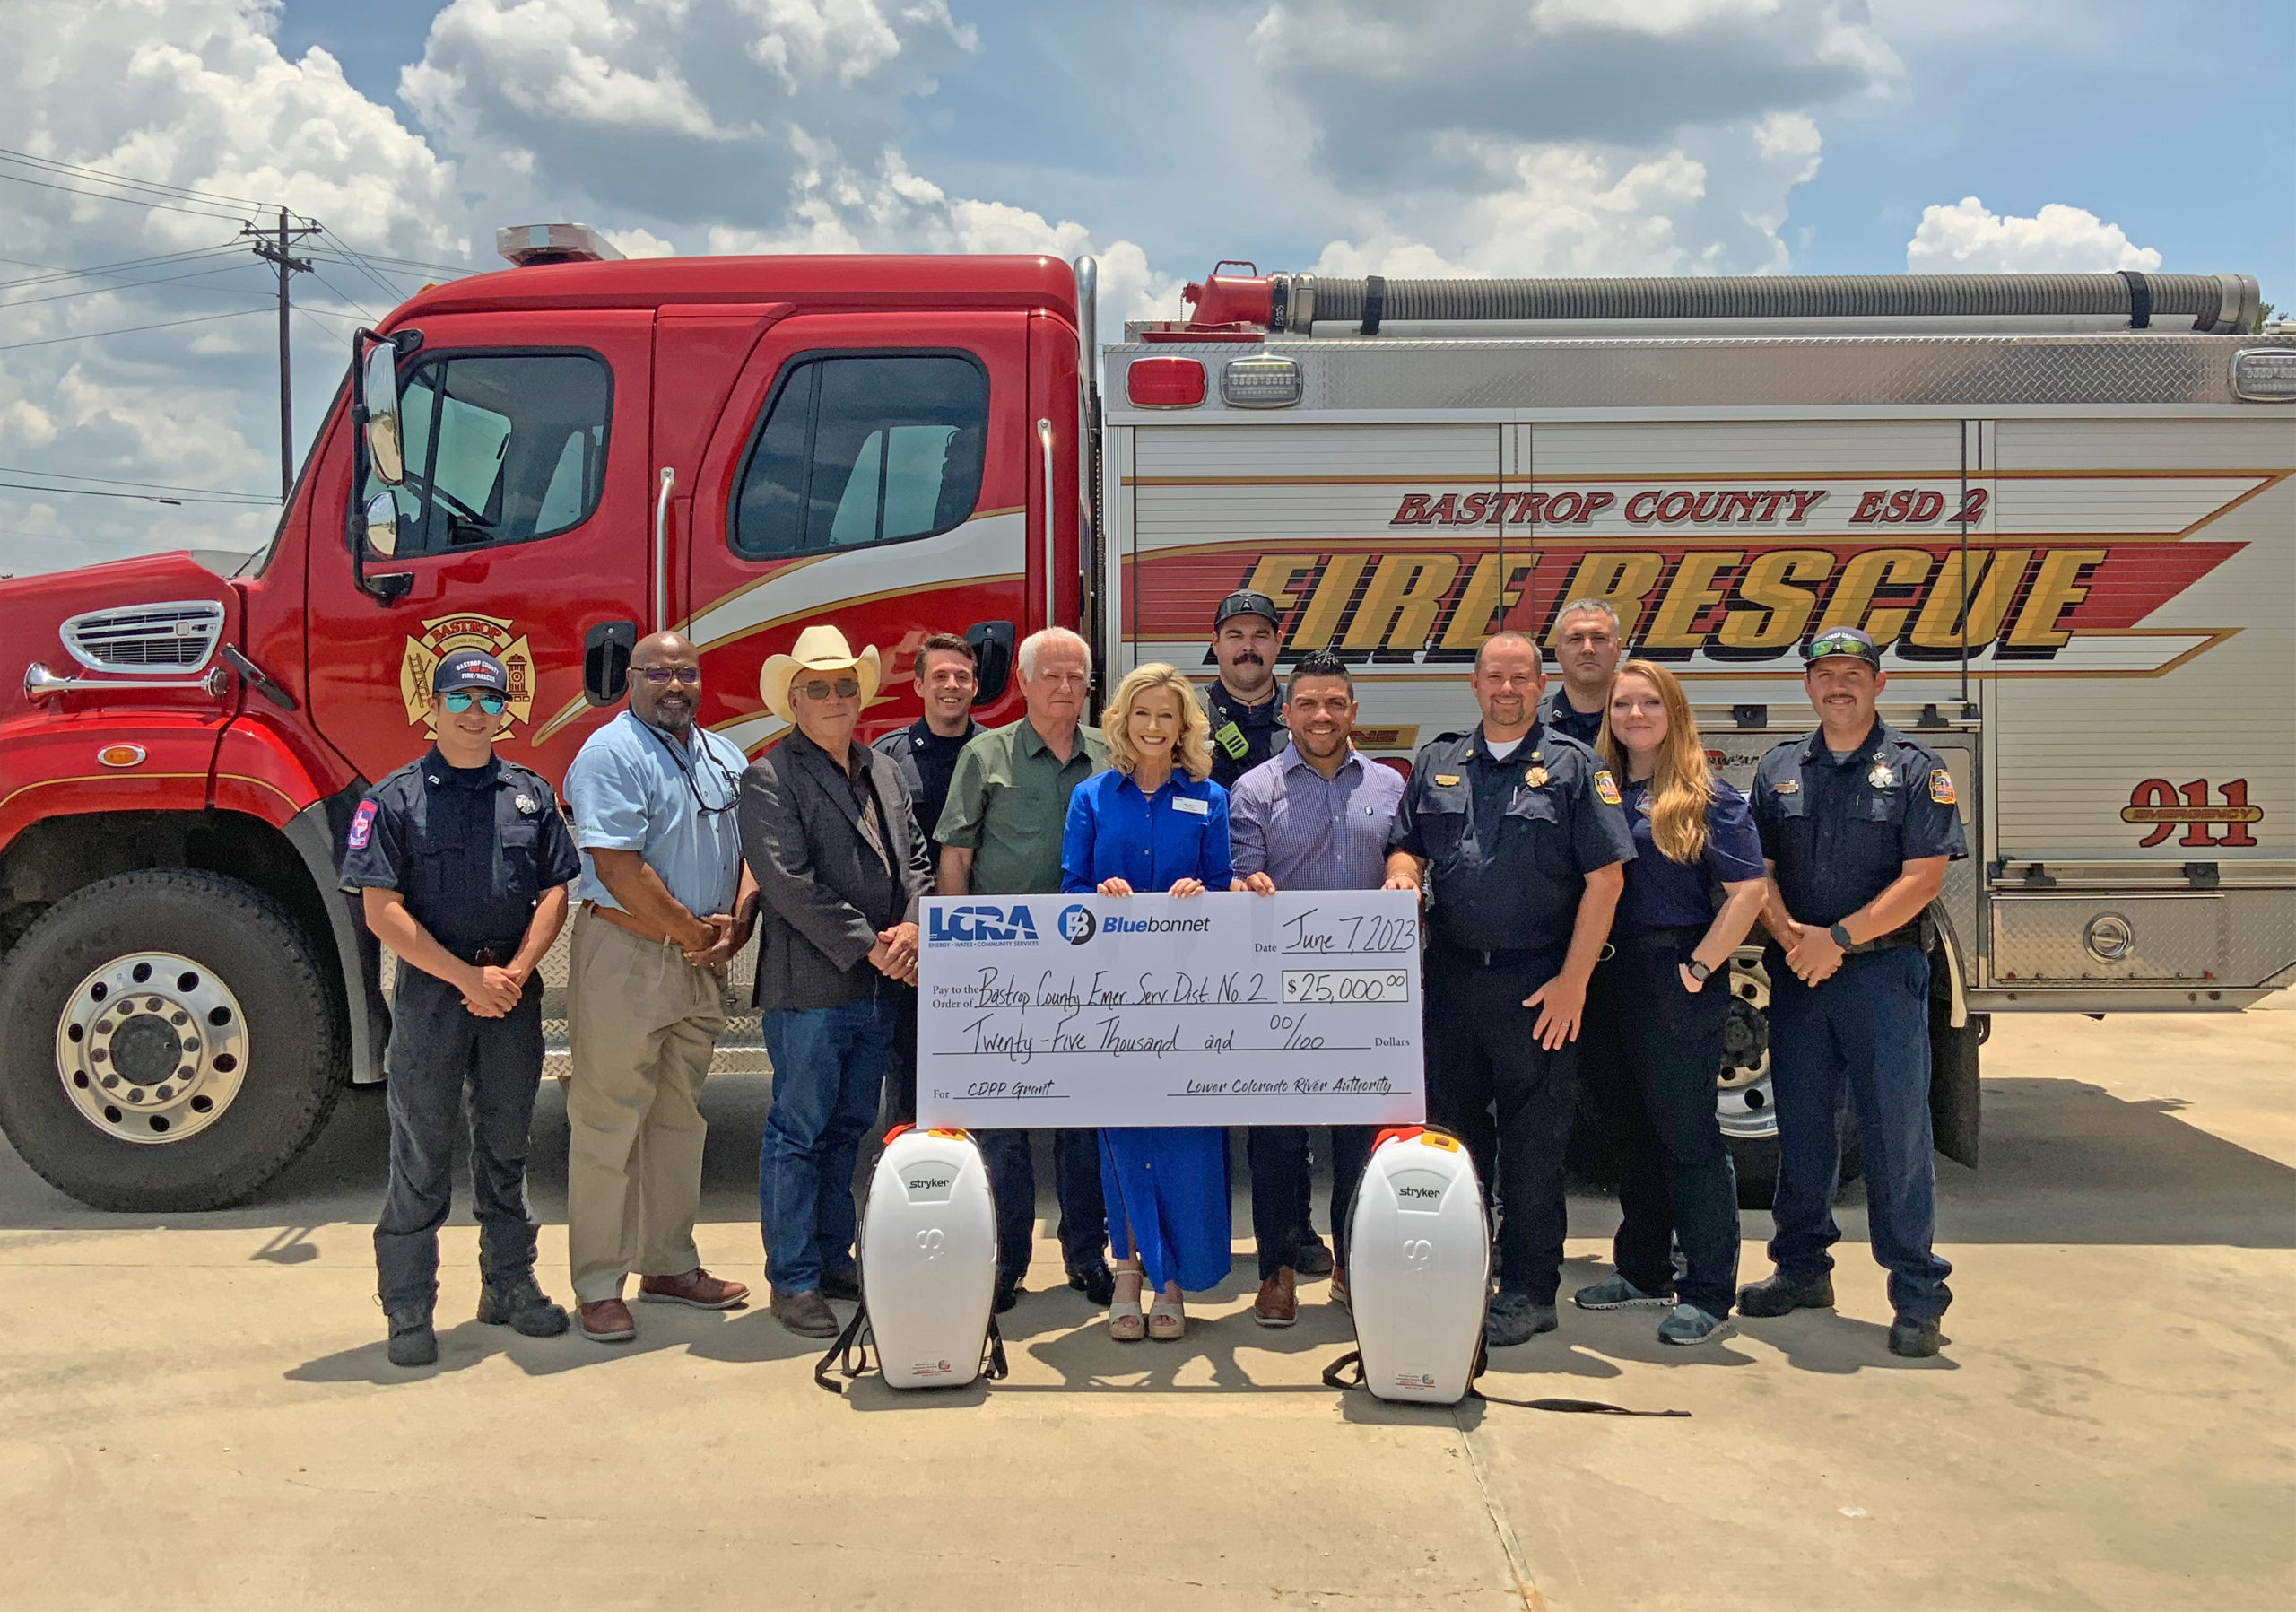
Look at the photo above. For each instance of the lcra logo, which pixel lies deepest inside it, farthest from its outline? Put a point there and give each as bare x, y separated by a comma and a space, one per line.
980, 925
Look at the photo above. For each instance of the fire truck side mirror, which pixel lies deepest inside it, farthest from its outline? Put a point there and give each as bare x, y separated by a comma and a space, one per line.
382, 524
385, 454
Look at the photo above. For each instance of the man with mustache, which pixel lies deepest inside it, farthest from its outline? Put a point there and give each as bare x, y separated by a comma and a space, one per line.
665, 905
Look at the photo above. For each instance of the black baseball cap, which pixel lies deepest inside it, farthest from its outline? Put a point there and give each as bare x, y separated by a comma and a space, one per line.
1843, 640
470, 668
1245, 602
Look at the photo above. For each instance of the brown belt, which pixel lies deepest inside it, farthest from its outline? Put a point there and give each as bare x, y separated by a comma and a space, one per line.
622, 920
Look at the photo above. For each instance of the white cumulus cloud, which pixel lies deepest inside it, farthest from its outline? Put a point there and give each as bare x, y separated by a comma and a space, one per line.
1969, 238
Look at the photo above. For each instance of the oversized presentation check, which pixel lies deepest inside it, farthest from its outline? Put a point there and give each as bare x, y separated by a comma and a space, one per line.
1299, 1008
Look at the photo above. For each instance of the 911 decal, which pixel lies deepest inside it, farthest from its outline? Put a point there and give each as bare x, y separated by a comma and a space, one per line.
2163, 805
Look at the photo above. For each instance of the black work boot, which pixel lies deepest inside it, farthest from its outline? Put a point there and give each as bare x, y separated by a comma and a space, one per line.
412, 1342
522, 1306
1914, 1336
1776, 1295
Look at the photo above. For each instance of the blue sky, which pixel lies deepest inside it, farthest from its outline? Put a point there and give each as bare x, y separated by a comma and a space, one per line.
1405, 136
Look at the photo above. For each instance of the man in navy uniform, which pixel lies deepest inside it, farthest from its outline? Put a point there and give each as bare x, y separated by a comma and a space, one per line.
1587, 640
1243, 703
461, 861
1517, 833
1857, 824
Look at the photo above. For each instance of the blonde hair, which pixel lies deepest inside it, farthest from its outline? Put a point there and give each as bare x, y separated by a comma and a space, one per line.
1191, 750
1681, 784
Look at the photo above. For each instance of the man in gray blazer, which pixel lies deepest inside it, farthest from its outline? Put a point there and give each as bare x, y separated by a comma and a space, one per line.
829, 830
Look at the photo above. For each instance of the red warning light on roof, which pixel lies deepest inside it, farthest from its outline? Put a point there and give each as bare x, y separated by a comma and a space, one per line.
1164, 383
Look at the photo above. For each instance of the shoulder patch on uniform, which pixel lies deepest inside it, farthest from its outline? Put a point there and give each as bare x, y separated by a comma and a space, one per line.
1940, 786
362, 825
1605, 786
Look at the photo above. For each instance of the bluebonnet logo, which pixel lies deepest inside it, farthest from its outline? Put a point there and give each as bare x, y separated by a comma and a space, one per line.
1156, 926
980, 924
1077, 925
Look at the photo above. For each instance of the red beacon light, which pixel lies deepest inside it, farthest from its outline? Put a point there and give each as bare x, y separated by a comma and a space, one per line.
1164, 382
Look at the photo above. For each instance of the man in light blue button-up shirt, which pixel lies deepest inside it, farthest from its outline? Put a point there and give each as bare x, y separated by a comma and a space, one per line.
1312, 817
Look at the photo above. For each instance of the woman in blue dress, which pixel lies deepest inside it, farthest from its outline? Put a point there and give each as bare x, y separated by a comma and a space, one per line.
1155, 821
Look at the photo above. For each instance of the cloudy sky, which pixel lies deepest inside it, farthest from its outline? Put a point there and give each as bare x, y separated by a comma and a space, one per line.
138, 342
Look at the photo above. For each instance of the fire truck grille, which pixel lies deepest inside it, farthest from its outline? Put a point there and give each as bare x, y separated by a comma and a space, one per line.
178, 635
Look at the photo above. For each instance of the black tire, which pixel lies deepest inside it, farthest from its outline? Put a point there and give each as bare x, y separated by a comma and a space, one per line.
297, 1041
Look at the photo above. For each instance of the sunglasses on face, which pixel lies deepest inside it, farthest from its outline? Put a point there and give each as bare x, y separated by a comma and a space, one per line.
461, 699
663, 677
821, 688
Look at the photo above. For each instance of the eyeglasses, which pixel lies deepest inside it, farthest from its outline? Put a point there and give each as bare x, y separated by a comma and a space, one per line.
702, 808
821, 688
460, 701
663, 677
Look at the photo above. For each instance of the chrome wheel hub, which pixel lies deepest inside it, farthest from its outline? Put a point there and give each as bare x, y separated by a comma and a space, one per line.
1742, 1090
152, 1048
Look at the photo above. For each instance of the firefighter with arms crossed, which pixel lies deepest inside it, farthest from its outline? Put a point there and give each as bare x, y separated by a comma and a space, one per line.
461, 861
1857, 824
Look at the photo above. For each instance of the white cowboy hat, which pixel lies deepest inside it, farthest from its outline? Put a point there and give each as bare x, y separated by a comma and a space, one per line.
819, 647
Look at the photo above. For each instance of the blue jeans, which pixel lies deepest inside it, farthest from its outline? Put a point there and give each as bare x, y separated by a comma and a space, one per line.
829, 1068
1865, 1032
1011, 1157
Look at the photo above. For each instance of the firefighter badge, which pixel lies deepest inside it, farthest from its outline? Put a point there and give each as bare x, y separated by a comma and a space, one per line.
441, 638
1881, 777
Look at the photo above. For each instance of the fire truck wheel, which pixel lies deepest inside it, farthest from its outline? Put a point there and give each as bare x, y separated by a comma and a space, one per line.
169, 1044
1742, 1091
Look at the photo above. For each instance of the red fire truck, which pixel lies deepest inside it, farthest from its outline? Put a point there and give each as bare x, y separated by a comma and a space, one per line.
2059, 499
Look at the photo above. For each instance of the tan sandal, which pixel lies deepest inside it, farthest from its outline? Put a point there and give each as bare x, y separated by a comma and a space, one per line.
1126, 1324
1167, 1321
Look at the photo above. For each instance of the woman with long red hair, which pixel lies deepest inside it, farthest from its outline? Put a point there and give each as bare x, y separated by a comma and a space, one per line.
1657, 1006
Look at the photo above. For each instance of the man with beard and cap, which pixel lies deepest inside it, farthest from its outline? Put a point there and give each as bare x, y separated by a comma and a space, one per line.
665, 904
1587, 643
461, 862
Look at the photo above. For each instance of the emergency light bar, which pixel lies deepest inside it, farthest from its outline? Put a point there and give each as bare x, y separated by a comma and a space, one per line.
527, 244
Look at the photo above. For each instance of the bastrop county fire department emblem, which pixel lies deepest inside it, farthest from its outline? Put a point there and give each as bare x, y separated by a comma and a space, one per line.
445, 634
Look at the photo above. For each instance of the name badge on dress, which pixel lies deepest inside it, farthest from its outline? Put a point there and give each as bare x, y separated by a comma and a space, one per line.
1199, 808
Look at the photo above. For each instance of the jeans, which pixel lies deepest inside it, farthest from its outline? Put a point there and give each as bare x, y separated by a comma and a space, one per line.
1865, 1032
436, 1046
1481, 1052
1282, 1164
1650, 1053
829, 1070
1011, 1157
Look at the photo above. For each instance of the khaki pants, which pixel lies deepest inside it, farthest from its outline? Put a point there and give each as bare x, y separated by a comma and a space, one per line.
644, 1023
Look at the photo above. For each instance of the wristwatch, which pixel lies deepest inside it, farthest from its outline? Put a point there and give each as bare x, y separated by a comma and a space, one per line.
1840, 936
1699, 970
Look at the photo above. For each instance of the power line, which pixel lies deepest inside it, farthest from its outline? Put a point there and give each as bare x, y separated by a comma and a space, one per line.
90, 335
62, 272
102, 196
114, 481
98, 290
79, 170
352, 301
149, 498
365, 268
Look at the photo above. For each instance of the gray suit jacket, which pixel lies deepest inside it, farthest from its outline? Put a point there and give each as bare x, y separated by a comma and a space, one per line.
801, 834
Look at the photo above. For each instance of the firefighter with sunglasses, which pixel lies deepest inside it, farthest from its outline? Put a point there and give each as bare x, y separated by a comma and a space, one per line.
461, 861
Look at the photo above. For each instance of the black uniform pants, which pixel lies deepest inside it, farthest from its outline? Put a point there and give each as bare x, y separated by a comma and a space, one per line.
1491, 1084
1651, 1051
438, 1046
1284, 1161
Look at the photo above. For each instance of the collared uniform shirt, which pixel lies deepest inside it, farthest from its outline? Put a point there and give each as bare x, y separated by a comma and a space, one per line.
1662, 893
1242, 735
927, 762
1151, 842
1557, 712
1008, 804
632, 787
1841, 832
1307, 832
471, 848
1509, 843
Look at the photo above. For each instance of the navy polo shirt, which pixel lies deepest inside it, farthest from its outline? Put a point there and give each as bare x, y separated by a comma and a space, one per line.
1557, 712
1842, 832
1662, 893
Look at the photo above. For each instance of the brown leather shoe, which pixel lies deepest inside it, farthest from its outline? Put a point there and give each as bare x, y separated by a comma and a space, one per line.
608, 1321
697, 1287
807, 1314
1278, 1304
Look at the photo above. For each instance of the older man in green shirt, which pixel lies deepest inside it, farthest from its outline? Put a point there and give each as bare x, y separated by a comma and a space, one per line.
1000, 835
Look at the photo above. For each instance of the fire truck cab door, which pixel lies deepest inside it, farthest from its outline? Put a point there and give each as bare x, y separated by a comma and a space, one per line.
869, 470
523, 526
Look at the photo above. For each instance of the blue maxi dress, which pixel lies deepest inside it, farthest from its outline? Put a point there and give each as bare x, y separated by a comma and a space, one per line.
1167, 1185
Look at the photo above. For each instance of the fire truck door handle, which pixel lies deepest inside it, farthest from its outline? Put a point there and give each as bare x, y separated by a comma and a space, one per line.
605, 661
1051, 575
662, 550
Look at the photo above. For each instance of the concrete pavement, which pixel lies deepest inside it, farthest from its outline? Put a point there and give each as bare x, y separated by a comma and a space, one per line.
198, 1414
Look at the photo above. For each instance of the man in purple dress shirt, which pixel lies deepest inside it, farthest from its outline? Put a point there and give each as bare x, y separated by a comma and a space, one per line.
1312, 817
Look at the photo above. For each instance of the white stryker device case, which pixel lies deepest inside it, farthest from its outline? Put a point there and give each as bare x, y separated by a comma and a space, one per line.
1419, 1268
928, 1261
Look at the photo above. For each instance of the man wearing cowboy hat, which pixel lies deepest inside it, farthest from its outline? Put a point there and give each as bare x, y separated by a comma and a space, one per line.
831, 837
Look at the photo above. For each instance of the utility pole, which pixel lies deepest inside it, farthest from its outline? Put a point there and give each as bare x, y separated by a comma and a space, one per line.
272, 247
